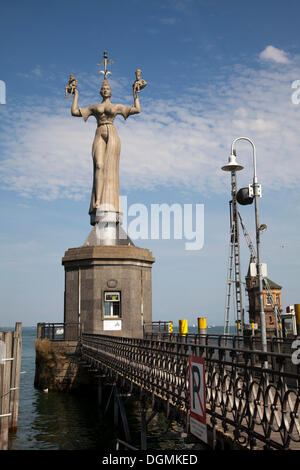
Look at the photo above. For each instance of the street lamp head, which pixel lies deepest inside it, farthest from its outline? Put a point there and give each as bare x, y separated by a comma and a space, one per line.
263, 227
232, 164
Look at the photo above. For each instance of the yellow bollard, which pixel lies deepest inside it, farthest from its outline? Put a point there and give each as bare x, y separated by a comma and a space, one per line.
171, 331
202, 330
297, 313
202, 323
183, 327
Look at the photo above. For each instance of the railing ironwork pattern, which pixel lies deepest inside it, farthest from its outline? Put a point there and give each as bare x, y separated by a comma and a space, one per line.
157, 327
258, 405
59, 331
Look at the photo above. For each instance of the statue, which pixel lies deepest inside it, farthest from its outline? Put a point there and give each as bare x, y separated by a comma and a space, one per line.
106, 146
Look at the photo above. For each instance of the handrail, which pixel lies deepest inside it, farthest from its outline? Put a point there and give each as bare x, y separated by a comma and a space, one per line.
69, 331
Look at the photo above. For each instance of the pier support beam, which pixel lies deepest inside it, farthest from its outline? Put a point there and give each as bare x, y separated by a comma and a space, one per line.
124, 418
143, 428
99, 392
118, 410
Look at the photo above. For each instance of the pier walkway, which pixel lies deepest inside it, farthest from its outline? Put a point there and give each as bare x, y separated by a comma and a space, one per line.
249, 404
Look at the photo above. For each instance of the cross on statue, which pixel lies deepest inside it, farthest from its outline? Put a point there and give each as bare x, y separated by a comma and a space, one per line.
105, 62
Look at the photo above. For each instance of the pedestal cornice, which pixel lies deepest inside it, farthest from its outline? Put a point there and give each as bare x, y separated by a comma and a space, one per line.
108, 254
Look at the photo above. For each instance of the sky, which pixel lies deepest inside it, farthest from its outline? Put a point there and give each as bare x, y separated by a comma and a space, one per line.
215, 71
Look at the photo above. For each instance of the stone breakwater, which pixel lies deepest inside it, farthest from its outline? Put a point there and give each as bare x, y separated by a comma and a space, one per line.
57, 367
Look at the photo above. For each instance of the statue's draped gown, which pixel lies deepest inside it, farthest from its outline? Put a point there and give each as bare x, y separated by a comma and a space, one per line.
105, 115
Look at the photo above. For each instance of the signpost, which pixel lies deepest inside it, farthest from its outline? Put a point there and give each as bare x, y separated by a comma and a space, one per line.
197, 398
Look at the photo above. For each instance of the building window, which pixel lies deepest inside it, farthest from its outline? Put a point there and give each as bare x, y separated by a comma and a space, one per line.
278, 299
269, 299
271, 321
112, 304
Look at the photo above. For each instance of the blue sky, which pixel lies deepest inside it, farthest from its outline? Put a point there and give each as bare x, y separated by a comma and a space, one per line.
215, 71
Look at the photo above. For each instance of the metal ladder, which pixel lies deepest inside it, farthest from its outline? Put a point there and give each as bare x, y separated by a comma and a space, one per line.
234, 264
229, 284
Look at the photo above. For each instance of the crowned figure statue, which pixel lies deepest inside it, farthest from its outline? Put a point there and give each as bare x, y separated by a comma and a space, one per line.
105, 211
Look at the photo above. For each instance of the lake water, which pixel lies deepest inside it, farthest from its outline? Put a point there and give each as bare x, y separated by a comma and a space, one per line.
61, 421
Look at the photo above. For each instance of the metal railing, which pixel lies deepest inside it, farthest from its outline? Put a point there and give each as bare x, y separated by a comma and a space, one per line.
258, 405
274, 344
59, 331
156, 327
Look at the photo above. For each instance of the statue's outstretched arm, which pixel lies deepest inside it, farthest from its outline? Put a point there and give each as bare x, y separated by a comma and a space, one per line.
136, 108
75, 111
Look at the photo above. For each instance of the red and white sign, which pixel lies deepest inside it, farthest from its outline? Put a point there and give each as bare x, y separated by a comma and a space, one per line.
197, 397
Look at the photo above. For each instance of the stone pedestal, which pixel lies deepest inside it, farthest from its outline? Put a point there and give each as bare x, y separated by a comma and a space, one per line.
94, 275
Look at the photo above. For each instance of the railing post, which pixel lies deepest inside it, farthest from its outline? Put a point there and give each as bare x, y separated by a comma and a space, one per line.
297, 313
39, 330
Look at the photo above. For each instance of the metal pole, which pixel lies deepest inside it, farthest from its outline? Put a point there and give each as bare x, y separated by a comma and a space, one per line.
258, 263
260, 282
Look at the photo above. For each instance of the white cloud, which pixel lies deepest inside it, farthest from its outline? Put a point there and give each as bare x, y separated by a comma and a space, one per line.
180, 142
169, 20
275, 55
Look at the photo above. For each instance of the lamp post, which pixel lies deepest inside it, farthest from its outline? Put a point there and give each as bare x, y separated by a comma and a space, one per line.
233, 166
234, 263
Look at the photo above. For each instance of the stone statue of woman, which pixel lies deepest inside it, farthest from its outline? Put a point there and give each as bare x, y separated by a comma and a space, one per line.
106, 148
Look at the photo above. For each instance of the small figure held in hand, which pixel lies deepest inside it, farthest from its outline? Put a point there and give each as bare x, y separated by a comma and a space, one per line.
71, 87
139, 83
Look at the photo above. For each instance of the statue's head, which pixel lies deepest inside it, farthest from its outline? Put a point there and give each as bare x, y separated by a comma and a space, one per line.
138, 74
105, 90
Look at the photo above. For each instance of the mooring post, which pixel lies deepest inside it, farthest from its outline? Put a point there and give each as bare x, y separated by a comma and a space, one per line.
202, 330
2, 356
5, 377
183, 329
15, 377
